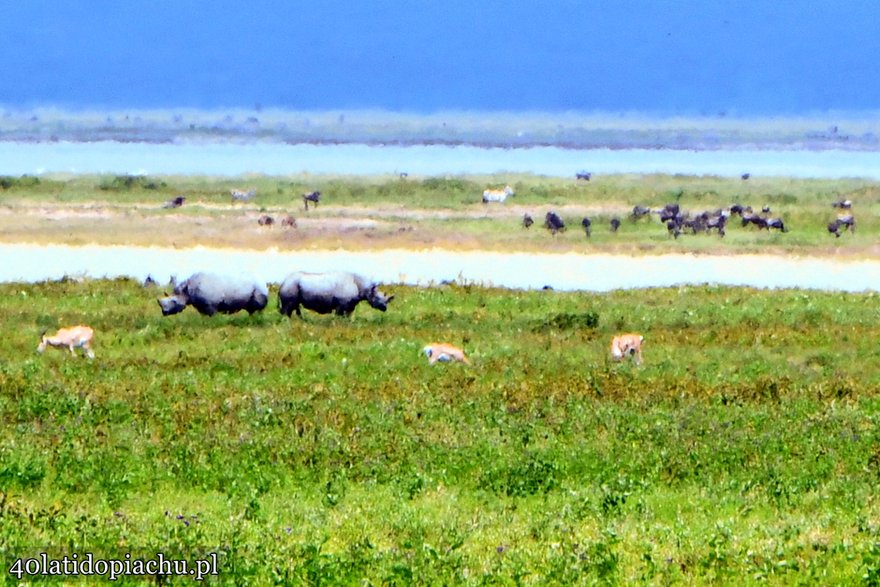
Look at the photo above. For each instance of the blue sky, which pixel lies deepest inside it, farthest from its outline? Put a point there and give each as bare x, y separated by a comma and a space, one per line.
752, 57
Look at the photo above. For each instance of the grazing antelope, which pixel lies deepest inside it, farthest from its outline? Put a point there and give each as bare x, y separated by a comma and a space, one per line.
627, 344
71, 338
439, 351
497, 195
313, 197
241, 195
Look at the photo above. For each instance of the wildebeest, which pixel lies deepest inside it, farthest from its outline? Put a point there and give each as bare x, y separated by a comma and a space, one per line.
740, 210
834, 227
445, 353
627, 344
584, 175
174, 202
749, 218
288, 221
843, 221
265, 220
69, 338
553, 223
497, 195
313, 197
776, 223
150, 282
745, 176
241, 195
765, 210
717, 222
846, 221
640, 211
614, 224
587, 225
843, 204
336, 291
210, 293
669, 212
527, 221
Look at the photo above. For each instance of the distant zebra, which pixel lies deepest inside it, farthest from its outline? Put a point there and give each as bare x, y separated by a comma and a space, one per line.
313, 197
497, 195
241, 195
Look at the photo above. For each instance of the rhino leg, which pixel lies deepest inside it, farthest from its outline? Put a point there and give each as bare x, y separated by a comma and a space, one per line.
257, 302
287, 308
345, 309
206, 309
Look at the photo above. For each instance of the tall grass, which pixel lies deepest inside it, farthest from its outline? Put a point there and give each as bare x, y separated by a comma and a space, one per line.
326, 450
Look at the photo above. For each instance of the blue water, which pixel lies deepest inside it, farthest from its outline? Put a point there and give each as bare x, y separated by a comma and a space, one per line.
561, 271
711, 57
356, 159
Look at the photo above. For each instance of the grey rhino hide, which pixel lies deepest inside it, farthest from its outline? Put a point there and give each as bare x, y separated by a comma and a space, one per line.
210, 293
323, 293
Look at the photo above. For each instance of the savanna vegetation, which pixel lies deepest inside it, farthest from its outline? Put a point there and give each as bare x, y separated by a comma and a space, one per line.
745, 450
425, 212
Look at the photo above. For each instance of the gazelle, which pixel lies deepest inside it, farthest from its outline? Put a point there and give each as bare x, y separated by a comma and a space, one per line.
439, 351
70, 338
627, 344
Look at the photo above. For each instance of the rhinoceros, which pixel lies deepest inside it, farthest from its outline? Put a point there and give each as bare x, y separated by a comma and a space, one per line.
210, 293
323, 293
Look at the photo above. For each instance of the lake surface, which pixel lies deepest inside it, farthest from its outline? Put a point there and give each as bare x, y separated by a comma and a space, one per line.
31, 263
358, 159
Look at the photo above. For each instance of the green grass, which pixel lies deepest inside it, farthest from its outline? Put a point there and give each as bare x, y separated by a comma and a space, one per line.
327, 451
444, 212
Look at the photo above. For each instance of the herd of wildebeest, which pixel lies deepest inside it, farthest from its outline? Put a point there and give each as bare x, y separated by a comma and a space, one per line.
679, 221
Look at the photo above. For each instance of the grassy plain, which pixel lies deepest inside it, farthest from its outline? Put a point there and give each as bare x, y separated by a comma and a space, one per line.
326, 451
413, 212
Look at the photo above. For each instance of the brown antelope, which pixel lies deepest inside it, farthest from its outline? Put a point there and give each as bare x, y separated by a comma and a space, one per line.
70, 338
627, 344
439, 351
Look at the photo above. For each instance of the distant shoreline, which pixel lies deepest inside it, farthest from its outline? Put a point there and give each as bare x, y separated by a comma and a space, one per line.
567, 130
